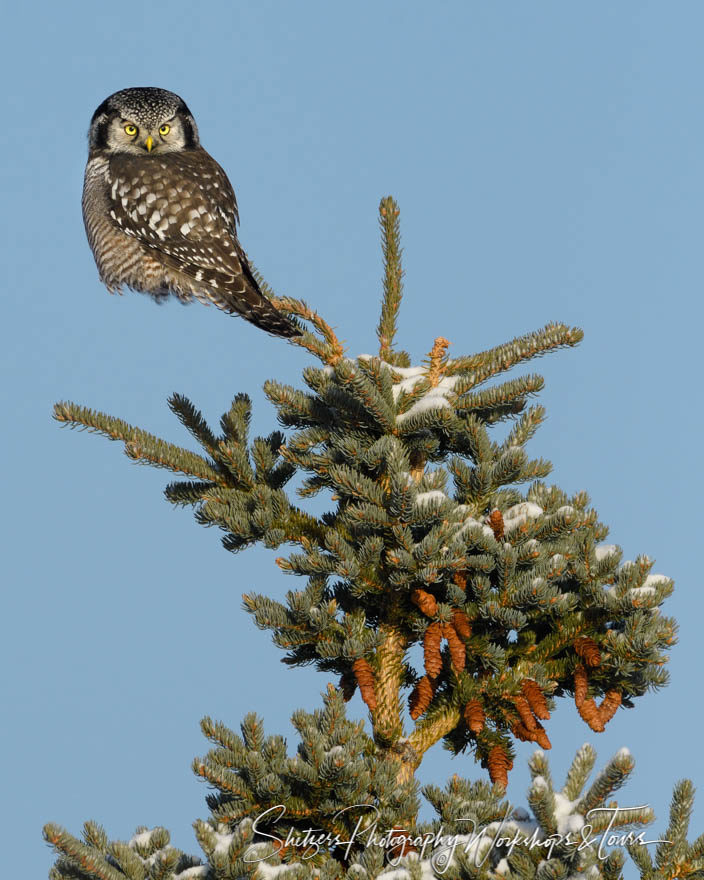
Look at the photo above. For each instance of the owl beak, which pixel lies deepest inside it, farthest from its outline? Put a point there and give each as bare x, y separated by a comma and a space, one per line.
149, 143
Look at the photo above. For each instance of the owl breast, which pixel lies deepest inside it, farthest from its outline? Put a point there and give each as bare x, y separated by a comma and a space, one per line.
121, 259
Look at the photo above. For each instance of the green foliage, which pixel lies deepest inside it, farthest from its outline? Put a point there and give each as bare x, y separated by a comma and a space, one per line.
476, 832
406, 455
674, 856
442, 533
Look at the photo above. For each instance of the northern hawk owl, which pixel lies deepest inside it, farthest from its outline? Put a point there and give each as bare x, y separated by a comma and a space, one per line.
160, 213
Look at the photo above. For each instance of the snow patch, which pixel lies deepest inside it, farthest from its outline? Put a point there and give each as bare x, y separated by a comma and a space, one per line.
431, 400
540, 783
195, 871
142, 839
645, 590
605, 550
518, 514
469, 523
567, 819
224, 839
655, 580
424, 498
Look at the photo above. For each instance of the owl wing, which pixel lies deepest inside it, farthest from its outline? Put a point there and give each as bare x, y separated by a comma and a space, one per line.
183, 208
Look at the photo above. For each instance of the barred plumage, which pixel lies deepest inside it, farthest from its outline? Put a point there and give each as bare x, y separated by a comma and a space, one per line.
160, 213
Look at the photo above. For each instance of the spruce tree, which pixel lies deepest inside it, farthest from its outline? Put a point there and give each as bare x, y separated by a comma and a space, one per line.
437, 536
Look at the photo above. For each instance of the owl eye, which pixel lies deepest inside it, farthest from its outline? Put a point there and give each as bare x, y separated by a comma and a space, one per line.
164, 130
131, 130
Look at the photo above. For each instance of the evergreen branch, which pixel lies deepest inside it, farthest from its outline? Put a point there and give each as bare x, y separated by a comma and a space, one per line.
503, 357
235, 422
86, 859
188, 492
397, 562
508, 393
674, 849
139, 445
331, 352
393, 276
611, 778
192, 419
354, 381
579, 771
525, 427
440, 720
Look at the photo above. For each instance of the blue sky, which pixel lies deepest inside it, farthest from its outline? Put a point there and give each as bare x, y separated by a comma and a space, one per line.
548, 164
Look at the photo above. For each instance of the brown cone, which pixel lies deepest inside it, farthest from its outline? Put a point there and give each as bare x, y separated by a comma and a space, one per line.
431, 650
459, 579
588, 650
496, 521
580, 685
461, 623
520, 731
589, 711
457, 650
420, 697
348, 685
524, 710
365, 680
541, 737
425, 601
403, 847
474, 716
609, 705
498, 763
536, 698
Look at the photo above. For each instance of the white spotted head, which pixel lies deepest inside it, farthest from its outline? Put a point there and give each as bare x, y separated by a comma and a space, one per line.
145, 121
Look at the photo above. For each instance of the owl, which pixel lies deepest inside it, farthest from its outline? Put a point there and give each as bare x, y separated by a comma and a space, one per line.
160, 214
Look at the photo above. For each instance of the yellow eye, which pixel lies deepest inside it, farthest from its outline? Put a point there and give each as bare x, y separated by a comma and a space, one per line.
131, 130
164, 130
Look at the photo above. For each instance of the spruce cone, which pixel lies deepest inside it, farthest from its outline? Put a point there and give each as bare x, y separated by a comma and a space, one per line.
348, 685
461, 623
589, 711
498, 763
520, 731
459, 579
457, 651
536, 734
588, 650
541, 737
401, 847
496, 521
609, 705
420, 697
365, 680
431, 650
524, 710
425, 601
474, 716
536, 698
580, 685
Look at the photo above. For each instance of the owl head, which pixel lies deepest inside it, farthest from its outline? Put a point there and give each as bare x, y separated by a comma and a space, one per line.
145, 121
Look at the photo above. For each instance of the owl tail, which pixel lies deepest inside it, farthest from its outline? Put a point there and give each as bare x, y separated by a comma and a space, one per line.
254, 307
